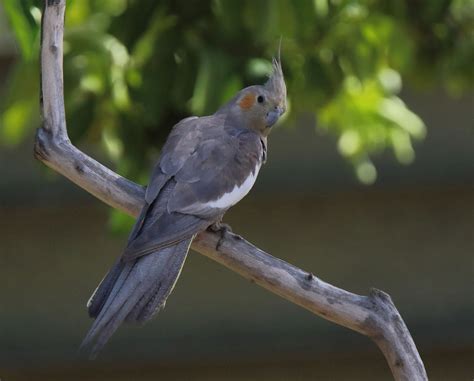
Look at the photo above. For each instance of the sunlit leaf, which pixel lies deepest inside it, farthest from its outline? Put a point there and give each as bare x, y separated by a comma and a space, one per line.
366, 172
395, 110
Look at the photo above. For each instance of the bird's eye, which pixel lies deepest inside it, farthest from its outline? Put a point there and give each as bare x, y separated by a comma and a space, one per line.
260, 99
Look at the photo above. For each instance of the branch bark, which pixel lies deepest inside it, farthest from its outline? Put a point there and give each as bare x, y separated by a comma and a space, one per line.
374, 315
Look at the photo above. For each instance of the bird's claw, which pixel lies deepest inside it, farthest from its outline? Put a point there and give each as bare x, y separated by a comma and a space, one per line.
223, 229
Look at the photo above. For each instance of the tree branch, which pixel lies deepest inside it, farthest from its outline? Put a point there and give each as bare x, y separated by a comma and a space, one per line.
374, 316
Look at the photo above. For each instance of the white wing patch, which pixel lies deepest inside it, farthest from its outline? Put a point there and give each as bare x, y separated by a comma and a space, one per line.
235, 195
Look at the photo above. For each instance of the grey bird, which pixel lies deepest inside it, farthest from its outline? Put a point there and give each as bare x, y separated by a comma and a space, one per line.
206, 166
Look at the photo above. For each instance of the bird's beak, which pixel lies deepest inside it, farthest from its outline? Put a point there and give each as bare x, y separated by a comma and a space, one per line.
274, 115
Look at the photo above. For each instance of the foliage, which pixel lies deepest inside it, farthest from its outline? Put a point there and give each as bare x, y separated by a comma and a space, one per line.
134, 68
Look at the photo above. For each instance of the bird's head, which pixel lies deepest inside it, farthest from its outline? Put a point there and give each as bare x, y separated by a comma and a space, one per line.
260, 107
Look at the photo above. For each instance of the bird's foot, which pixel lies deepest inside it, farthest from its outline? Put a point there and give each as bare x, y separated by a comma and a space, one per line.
223, 229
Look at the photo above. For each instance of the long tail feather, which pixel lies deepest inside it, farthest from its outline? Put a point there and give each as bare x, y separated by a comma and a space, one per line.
134, 292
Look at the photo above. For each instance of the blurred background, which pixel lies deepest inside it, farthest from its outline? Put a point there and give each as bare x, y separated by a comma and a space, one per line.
369, 183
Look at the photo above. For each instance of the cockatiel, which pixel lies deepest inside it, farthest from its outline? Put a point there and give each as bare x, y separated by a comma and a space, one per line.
207, 165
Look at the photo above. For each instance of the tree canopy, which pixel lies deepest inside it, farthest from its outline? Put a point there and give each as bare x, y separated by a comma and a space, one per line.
134, 68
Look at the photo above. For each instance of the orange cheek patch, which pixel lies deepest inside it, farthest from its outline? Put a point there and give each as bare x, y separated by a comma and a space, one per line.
247, 101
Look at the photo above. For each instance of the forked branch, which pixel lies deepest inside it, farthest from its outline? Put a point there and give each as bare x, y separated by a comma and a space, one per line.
374, 315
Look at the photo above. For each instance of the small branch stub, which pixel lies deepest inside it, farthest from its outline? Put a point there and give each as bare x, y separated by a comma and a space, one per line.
374, 316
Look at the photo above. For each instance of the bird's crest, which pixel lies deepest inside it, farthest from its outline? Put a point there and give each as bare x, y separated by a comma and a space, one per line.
276, 82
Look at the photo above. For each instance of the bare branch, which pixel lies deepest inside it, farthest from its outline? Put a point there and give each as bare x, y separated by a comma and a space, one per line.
374, 316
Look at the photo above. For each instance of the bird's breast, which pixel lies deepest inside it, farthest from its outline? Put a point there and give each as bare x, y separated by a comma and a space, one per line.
231, 198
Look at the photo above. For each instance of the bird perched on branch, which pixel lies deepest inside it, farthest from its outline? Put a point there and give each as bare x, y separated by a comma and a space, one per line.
207, 165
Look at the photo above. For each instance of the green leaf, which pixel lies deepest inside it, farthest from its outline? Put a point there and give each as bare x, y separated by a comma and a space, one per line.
23, 17
15, 120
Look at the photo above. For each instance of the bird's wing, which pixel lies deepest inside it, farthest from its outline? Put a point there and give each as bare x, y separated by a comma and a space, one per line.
155, 227
220, 171
178, 147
